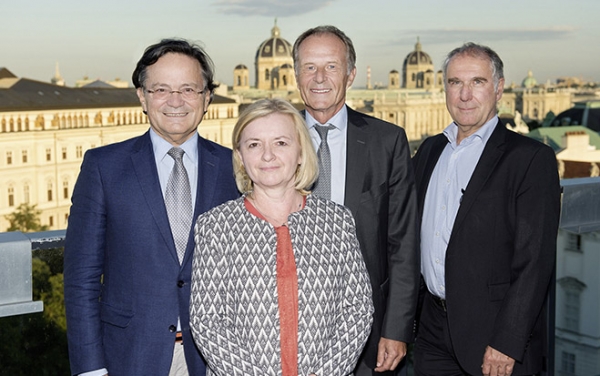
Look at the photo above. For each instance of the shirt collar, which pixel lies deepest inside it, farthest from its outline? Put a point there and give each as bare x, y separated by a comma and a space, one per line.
482, 133
339, 120
162, 146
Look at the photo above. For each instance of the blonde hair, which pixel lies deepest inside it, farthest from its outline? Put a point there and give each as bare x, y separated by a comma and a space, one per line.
307, 170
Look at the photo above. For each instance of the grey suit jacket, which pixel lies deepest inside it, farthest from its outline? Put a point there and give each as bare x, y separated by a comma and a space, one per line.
380, 193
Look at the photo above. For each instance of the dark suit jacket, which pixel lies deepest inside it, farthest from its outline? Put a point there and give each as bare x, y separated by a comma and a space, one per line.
380, 193
124, 286
502, 248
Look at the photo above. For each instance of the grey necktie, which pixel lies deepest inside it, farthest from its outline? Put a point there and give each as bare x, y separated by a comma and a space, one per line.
323, 185
178, 201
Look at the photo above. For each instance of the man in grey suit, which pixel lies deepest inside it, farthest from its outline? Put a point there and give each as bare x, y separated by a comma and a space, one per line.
365, 165
127, 269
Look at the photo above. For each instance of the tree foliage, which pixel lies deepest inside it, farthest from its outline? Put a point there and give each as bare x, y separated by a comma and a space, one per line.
26, 218
36, 344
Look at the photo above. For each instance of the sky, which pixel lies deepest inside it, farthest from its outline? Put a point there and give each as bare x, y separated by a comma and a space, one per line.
105, 39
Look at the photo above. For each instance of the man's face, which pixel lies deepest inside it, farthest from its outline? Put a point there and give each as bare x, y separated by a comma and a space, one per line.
323, 75
174, 117
470, 95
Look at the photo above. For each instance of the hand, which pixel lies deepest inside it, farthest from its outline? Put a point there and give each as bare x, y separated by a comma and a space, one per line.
389, 354
496, 363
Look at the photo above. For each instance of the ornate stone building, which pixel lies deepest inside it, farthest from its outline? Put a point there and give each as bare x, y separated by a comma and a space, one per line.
46, 129
275, 64
417, 70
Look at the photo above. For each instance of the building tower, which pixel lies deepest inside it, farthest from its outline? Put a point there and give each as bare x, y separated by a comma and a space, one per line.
394, 80
274, 63
241, 77
417, 70
57, 79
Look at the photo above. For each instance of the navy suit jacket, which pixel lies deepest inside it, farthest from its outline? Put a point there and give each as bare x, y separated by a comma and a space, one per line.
502, 249
124, 286
380, 193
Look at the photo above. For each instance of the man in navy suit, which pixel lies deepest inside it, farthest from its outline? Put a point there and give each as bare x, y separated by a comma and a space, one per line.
489, 200
126, 287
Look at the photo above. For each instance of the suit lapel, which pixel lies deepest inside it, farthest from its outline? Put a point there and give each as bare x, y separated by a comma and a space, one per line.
357, 142
432, 156
208, 170
493, 151
145, 169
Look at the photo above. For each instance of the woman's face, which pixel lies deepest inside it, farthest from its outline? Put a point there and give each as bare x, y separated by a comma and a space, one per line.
270, 152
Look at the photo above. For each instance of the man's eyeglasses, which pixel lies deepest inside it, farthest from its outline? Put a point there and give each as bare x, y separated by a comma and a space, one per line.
187, 93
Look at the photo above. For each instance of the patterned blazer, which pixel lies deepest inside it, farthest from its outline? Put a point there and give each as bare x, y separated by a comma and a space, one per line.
234, 304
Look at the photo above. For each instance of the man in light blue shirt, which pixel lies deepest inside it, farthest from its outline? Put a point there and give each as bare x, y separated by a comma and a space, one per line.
490, 204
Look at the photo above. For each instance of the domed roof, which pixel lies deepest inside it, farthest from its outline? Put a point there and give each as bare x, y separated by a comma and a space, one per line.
393, 71
241, 66
417, 56
274, 46
529, 81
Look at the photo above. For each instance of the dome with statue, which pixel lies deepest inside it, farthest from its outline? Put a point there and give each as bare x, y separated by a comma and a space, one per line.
275, 46
274, 63
529, 81
417, 57
417, 69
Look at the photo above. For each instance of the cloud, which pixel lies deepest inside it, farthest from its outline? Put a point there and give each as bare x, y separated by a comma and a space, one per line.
443, 36
271, 8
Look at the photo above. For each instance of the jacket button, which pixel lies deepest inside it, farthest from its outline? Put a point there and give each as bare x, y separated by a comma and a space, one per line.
180, 284
172, 328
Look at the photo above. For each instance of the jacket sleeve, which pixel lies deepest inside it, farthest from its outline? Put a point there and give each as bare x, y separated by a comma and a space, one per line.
403, 250
537, 212
83, 267
353, 324
211, 320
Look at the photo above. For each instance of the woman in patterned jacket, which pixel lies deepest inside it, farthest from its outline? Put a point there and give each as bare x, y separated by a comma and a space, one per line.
279, 286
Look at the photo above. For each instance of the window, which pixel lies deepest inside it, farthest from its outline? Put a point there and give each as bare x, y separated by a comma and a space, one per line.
64, 153
267, 76
26, 193
65, 189
51, 221
567, 363
50, 193
573, 243
9, 157
571, 289
79, 151
24, 156
11, 196
572, 305
48, 155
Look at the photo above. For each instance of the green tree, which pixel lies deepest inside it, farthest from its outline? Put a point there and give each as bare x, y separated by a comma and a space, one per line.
25, 219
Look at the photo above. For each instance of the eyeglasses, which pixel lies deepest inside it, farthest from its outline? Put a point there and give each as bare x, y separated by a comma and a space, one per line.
187, 93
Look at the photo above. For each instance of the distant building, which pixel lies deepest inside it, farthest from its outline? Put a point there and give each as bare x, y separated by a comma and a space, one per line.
274, 63
241, 78
417, 70
45, 130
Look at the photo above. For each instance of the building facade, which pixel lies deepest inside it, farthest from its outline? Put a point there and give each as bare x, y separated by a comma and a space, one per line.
46, 129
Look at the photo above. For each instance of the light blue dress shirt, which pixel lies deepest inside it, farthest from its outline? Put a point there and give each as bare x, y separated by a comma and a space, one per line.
336, 139
448, 182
